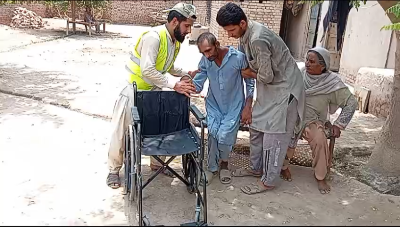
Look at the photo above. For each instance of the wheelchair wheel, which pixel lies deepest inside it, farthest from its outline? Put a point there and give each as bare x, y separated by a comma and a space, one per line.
191, 173
130, 198
146, 221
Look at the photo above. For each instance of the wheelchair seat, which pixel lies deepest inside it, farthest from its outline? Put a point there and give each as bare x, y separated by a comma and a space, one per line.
166, 129
172, 144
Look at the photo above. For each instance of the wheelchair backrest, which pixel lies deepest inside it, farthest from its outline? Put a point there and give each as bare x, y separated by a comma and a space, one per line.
162, 112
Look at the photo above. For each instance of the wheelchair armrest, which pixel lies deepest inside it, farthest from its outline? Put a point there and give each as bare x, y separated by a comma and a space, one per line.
196, 112
135, 115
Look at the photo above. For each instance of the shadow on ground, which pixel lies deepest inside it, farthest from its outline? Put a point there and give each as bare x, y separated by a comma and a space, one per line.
17, 107
79, 33
43, 84
34, 36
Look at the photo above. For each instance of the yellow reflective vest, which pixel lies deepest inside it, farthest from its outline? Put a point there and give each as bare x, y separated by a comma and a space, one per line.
133, 65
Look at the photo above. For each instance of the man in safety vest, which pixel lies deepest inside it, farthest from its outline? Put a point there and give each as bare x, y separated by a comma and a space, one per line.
151, 66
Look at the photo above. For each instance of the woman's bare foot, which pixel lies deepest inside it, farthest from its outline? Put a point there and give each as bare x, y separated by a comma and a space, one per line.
323, 187
285, 175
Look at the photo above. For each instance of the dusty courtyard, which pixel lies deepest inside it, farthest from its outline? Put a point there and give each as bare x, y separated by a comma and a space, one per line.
56, 98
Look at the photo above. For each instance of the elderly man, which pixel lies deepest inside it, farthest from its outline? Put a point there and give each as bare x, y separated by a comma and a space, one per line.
89, 18
325, 92
225, 101
151, 66
279, 105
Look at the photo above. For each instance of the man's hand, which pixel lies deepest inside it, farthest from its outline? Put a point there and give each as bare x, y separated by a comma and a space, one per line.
249, 74
185, 87
193, 73
246, 113
336, 131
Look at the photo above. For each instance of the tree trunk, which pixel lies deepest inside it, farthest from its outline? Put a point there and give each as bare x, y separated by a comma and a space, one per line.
385, 158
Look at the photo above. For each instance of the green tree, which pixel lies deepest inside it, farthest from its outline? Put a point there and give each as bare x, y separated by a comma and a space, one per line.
62, 6
385, 158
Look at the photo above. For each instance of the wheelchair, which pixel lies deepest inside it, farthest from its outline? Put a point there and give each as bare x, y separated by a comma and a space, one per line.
161, 126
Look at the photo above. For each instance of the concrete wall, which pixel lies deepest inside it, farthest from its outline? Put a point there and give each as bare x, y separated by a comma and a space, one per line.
297, 32
364, 44
380, 82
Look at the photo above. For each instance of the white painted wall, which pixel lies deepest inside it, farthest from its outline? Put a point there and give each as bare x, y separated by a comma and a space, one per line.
364, 44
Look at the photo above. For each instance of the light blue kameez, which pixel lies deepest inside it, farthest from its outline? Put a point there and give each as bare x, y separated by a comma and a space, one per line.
224, 102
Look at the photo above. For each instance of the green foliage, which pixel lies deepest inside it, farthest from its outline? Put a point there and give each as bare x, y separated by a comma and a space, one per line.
63, 5
395, 10
355, 3
392, 27
96, 4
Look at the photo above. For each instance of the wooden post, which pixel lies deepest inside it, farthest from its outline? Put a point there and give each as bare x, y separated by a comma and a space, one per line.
67, 25
90, 29
73, 15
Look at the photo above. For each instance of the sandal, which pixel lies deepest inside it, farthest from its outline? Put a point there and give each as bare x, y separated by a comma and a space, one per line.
225, 176
255, 188
113, 180
244, 173
209, 177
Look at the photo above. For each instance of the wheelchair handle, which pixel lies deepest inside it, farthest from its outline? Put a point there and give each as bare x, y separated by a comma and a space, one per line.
134, 85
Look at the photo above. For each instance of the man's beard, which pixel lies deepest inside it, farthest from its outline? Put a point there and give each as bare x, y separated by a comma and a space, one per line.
212, 58
178, 34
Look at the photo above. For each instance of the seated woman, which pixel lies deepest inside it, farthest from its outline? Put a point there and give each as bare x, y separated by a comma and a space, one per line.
325, 93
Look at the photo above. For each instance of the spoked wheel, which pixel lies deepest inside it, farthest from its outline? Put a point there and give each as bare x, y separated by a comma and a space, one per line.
130, 198
191, 173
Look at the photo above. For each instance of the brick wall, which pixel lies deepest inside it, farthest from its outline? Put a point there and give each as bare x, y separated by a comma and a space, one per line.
138, 12
268, 13
7, 11
213, 26
124, 12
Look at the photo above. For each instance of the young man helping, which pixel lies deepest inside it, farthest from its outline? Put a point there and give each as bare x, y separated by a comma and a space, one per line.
224, 102
279, 106
151, 66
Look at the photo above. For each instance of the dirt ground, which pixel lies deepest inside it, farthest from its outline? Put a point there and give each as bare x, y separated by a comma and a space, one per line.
54, 159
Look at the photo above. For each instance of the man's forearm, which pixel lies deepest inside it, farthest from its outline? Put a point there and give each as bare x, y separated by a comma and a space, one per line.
248, 102
177, 71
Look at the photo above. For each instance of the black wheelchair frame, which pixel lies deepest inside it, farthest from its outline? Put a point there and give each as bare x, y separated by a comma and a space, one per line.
192, 164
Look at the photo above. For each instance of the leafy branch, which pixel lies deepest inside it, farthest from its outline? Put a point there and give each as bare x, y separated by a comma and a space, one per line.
395, 10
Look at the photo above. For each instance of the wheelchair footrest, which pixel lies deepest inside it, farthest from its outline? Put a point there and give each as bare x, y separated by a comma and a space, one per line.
194, 224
